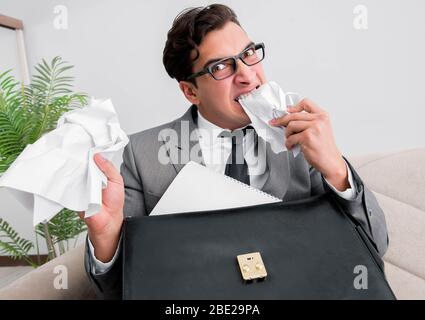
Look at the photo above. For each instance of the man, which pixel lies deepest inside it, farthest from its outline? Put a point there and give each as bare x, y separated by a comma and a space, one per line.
215, 62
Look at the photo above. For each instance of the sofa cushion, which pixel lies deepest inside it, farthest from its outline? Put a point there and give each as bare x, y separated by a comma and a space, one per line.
398, 182
405, 285
39, 283
398, 175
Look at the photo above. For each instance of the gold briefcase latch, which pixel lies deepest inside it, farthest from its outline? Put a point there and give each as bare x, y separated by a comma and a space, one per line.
252, 266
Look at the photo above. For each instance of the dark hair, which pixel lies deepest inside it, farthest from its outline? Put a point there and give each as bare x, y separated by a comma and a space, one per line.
188, 30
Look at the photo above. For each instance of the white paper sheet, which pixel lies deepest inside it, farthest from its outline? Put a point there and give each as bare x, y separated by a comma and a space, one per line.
198, 188
267, 102
58, 170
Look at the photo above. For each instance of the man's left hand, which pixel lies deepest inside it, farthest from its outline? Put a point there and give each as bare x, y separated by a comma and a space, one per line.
312, 130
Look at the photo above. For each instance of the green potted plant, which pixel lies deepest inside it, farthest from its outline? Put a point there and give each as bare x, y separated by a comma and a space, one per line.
26, 113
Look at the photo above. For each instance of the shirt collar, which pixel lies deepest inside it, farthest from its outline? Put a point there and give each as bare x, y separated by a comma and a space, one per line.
212, 129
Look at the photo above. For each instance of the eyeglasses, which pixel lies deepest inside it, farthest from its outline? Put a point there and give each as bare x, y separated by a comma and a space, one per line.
226, 67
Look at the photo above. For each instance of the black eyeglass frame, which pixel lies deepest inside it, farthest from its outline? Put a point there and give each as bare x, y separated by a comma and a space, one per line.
208, 69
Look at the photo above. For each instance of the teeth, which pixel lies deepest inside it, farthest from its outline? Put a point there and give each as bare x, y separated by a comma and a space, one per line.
243, 96
246, 94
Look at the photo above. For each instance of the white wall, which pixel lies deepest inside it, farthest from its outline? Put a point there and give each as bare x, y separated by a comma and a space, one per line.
370, 81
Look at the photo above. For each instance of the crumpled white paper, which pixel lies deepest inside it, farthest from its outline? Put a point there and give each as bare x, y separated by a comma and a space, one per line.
267, 102
58, 170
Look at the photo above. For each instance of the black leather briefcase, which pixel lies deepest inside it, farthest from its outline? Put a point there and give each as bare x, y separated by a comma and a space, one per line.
306, 249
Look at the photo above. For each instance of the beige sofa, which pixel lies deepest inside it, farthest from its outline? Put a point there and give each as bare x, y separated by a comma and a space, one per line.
398, 180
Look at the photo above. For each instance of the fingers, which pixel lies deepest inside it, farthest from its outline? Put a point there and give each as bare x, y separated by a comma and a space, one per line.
81, 214
295, 113
293, 140
296, 127
107, 168
306, 105
285, 120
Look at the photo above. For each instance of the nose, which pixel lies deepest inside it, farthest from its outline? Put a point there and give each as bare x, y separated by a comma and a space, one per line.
244, 74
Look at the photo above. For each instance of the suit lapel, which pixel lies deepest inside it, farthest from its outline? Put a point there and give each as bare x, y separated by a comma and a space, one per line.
187, 144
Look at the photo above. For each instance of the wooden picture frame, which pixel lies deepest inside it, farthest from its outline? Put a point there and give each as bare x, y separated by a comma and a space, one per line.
18, 26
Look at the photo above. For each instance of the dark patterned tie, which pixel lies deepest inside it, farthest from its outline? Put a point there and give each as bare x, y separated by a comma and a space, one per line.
236, 166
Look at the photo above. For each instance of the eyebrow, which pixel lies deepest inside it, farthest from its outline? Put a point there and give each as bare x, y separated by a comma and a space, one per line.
218, 59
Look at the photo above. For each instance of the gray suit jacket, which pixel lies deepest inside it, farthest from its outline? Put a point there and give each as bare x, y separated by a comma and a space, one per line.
146, 180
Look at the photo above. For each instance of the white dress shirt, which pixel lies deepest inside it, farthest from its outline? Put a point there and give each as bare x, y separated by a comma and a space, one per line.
215, 152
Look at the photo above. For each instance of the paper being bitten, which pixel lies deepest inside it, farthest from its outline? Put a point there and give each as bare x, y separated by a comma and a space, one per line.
264, 104
58, 170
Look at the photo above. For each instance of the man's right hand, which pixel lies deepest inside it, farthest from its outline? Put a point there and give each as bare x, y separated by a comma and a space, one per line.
104, 228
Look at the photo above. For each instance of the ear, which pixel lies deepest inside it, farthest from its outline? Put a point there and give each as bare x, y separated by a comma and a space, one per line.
190, 92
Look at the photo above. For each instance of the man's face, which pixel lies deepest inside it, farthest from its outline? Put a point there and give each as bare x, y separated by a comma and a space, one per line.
216, 98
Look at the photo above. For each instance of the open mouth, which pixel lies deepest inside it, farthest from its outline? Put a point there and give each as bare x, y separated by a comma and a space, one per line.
245, 94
